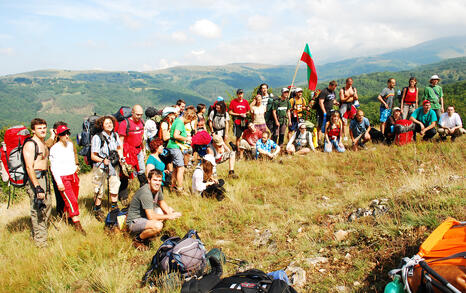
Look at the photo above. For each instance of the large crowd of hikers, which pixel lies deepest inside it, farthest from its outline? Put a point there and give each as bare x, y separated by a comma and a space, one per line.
159, 149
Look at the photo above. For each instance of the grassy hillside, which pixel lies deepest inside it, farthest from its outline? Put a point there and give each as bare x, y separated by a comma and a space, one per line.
302, 201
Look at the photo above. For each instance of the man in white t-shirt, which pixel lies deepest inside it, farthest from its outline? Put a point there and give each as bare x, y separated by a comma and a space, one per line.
450, 124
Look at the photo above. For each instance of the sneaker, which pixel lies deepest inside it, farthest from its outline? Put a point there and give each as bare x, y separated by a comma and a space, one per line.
79, 228
99, 215
453, 138
363, 146
232, 175
141, 245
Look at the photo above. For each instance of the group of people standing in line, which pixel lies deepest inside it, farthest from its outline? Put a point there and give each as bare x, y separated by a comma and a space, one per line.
188, 136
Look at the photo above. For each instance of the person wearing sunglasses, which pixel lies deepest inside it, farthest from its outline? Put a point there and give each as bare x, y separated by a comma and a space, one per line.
64, 170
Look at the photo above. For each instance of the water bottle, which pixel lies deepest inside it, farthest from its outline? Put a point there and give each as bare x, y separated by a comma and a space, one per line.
356, 104
324, 122
314, 137
395, 286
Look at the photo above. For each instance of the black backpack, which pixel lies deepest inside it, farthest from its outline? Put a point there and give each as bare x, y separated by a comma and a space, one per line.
84, 138
123, 113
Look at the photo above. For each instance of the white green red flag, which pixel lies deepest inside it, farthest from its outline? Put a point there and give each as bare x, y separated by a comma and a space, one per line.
311, 69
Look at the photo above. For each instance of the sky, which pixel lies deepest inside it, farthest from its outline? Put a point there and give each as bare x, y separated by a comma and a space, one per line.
145, 35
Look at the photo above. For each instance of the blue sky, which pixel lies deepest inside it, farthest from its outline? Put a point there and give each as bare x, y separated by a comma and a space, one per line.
149, 35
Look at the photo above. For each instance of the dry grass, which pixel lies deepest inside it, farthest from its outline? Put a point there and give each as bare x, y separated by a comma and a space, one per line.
285, 197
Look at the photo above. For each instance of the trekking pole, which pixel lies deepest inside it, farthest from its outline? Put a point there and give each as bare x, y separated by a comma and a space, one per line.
108, 187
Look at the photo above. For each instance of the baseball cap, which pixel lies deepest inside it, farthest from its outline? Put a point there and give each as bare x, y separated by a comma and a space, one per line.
435, 76
285, 90
298, 89
61, 129
396, 109
425, 102
239, 91
210, 158
219, 99
168, 110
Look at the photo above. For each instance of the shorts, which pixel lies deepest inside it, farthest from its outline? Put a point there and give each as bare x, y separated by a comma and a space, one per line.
98, 179
178, 158
238, 130
224, 157
320, 120
347, 111
384, 114
137, 225
262, 127
294, 124
243, 144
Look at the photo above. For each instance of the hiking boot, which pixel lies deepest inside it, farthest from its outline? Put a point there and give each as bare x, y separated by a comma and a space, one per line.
141, 245
232, 175
79, 228
99, 215
453, 138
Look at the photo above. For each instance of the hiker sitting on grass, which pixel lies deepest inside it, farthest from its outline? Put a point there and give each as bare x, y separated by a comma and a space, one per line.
105, 146
333, 134
154, 161
424, 119
359, 131
390, 125
222, 153
148, 210
248, 142
450, 125
300, 142
205, 180
266, 148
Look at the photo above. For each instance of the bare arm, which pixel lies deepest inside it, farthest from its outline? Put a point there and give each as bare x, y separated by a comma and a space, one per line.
382, 101
177, 136
169, 214
403, 96
321, 104
274, 112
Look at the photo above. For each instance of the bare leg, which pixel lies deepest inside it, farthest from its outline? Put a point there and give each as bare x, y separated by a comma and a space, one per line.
152, 228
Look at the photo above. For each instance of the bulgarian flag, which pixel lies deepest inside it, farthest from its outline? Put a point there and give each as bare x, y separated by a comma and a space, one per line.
311, 69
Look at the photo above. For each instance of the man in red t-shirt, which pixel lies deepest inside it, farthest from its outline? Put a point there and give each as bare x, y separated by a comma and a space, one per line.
249, 138
132, 136
239, 108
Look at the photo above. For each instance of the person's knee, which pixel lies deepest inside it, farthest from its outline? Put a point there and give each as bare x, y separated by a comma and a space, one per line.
154, 226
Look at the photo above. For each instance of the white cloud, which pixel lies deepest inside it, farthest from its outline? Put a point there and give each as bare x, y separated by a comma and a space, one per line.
7, 51
179, 37
206, 28
164, 63
198, 52
259, 23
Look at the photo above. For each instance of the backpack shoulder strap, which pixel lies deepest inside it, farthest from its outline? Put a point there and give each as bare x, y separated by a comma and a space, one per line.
36, 146
127, 126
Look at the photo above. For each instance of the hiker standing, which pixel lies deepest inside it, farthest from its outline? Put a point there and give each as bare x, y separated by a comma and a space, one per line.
425, 120
150, 128
348, 96
434, 94
327, 99
267, 101
180, 105
148, 210
105, 151
239, 108
53, 139
281, 115
131, 132
64, 170
409, 98
218, 120
386, 102
298, 105
36, 155
258, 113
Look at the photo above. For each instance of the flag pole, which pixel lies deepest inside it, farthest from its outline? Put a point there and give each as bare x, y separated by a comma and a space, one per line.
295, 72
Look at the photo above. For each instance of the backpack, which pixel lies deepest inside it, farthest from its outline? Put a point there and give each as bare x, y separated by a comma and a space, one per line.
84, 138
315, 100
403, 133
123, 113
12, 158
399, 95
252, 281
112, 222
86, 150
216, 114
12, 154
186, 256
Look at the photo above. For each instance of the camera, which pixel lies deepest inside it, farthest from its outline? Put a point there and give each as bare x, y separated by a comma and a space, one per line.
114, 158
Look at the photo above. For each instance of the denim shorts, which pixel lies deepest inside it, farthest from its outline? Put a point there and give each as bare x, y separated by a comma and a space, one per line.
384, 114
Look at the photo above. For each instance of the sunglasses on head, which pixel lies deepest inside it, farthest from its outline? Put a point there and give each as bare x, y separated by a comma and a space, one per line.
65, 133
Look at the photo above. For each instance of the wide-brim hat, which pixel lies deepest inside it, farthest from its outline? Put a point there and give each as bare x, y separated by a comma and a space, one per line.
435, 76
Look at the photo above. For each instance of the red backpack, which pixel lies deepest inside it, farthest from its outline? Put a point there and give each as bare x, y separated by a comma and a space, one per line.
12, 154
406, 135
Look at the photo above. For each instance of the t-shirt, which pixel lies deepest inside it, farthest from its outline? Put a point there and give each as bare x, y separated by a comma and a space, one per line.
265, 100
259, 114
178, 124
143, 200
282, 106
329, 98
425, 118
240, 108
298, 106
450, 122
387, 95
198, 185
269, 109
433, 94
158, 165
359, 128
252, 137
218, 120
135, 133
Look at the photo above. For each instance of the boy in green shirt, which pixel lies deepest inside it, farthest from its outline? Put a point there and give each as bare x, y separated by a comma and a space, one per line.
434, 94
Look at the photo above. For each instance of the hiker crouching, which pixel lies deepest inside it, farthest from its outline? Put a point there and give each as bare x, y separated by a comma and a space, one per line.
36, 155
148, 210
